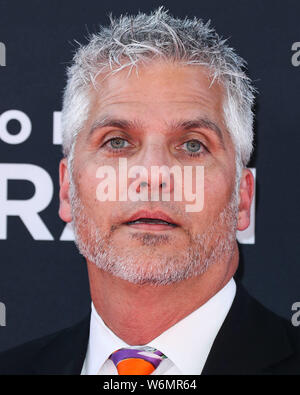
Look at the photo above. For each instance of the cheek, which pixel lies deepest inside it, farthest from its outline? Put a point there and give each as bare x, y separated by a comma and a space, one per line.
87, 184
218, 189
103, 213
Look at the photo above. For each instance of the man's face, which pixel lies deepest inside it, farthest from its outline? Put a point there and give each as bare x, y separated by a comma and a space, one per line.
166, 114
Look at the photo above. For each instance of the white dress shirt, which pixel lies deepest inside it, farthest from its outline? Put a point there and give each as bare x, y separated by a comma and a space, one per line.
186, 344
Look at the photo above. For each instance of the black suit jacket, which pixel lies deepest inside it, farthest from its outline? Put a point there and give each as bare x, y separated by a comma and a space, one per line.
252, 340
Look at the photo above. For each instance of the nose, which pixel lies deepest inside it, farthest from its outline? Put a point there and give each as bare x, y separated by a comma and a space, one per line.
156, 176
162, 185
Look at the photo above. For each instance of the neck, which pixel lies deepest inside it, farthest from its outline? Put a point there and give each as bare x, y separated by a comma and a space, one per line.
139, 313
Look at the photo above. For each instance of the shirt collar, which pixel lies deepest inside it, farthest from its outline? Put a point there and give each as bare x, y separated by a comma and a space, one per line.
187, 343
102, 342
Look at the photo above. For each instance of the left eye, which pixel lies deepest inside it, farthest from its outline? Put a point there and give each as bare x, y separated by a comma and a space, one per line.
193, 145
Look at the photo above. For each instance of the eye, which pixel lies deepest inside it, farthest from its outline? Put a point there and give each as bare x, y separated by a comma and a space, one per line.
116, 143
194, 147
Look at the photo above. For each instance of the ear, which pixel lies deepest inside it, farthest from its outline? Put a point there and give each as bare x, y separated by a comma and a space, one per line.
64, 182
246, 195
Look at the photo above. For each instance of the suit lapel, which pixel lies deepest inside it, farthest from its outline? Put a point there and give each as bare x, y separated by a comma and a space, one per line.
250, 340
65, 353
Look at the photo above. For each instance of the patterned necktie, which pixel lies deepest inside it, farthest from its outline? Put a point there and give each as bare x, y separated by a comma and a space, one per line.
137, 360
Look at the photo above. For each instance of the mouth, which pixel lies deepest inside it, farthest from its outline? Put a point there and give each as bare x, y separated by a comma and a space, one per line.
151, 221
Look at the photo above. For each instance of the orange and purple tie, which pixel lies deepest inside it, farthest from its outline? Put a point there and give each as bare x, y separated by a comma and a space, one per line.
137, 360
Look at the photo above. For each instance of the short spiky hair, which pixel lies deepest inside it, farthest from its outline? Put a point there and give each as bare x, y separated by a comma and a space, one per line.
130, 40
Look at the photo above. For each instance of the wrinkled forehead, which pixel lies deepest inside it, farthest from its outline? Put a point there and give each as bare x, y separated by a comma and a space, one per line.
162, 88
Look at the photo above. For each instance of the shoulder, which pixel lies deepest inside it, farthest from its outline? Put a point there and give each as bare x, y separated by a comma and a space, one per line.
281, 340
290, 363
254, 340
45, 354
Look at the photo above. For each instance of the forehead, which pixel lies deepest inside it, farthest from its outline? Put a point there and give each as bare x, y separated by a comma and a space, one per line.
157, 93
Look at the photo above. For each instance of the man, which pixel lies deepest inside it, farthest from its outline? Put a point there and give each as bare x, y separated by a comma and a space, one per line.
154, 91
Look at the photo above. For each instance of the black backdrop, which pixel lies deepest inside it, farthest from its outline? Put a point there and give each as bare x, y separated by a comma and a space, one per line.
43, 283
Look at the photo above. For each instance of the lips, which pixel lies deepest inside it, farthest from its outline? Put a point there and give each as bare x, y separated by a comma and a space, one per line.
151, 217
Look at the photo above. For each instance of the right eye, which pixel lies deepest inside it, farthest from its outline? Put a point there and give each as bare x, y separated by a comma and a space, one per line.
116, 143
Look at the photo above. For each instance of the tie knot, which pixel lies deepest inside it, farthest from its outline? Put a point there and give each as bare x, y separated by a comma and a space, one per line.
137, 360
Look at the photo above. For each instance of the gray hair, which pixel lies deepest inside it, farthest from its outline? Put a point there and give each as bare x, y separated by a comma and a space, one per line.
130, 40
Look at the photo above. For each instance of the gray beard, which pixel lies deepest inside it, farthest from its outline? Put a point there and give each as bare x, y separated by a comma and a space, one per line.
215, 245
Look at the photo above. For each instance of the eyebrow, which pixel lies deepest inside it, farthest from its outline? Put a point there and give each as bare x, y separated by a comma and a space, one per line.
107, 121
197, 123
200, 123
